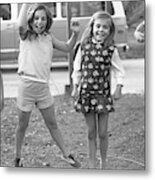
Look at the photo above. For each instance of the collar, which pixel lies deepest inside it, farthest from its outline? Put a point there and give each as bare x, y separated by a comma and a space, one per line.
97, 42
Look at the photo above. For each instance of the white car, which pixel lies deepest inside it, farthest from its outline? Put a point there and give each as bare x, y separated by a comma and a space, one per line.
80, 11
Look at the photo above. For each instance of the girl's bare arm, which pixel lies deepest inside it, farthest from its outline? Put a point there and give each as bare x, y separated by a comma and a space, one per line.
67, 46
119, 74
22, 20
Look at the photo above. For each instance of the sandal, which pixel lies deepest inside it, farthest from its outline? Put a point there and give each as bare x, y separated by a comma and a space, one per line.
72, 161
18, 162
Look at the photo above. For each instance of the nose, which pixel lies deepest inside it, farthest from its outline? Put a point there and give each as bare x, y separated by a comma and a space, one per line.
39, 20
101, 28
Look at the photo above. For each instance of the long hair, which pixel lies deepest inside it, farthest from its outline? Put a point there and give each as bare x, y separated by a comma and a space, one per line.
88, 33
30, 17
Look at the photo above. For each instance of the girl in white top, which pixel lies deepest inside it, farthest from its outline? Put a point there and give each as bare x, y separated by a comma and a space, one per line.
96, 57
36, 50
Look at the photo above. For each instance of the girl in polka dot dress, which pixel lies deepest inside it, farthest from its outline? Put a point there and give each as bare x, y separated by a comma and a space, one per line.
95, 58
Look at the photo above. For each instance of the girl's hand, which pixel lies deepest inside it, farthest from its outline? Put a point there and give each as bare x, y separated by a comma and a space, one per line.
139, 36
139, 32
75, 27
118, 92
74, 93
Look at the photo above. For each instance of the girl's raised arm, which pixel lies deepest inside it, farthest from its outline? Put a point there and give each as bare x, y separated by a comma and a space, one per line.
65, 46
68, 46
22, 19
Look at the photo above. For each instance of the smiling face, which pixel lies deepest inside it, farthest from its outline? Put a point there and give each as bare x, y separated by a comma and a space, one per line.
101, 29
39, 22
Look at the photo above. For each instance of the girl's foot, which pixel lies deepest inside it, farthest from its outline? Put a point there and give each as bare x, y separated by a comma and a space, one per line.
103, 165
72, 161
18, 162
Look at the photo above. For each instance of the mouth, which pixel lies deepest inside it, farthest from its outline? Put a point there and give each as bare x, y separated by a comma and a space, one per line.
101, 35
39, 28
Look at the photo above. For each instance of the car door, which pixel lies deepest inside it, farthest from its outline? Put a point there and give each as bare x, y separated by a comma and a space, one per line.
9, 39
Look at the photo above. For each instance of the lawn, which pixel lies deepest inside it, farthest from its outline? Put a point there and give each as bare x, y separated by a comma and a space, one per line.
126, 135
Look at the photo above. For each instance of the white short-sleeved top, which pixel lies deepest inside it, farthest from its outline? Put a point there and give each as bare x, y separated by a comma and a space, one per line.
35, 58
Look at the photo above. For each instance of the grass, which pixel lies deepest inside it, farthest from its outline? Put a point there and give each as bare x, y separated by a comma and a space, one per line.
126, 135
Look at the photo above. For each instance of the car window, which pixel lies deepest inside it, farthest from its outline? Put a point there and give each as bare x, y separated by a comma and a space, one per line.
5, 11
86, 9
52, 7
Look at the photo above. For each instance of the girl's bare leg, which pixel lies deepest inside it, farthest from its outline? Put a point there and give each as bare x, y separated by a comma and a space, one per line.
50, 120
92, 135
103, 136
20, 131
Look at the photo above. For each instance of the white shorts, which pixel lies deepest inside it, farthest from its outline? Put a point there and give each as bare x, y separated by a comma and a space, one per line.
31, 93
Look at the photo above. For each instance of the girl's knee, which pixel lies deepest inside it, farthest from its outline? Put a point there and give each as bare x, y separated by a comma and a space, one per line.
23, 120
103, 135
52, 125
92, 135
22, 126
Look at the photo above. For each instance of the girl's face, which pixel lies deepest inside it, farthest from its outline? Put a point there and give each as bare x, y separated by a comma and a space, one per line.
39, 21
101, 30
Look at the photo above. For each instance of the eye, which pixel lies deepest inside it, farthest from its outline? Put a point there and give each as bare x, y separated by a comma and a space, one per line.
43, 18
36, 18
106, 27
98, 25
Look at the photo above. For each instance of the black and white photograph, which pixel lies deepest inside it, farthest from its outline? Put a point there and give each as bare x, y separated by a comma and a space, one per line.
72, 85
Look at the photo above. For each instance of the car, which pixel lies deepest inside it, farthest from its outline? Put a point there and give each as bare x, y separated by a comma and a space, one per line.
1, 93
79, 11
